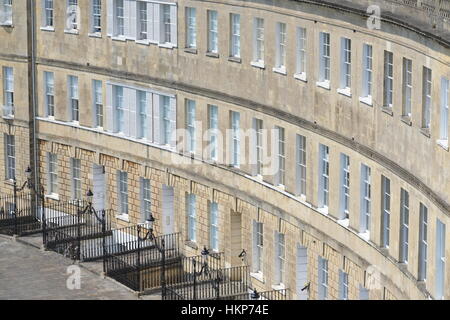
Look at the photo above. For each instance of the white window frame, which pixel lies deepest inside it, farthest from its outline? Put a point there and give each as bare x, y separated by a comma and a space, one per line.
119, 18
191, 28
440, 260
235, 35
190, 126
258, 127
6, 12
423, 242
404, 226
324, 177
72, 11
443, 132
235, 139
122, 184
48, 21
76, 178
258, 246
367, 74
258, 43
165, 120
281, 155
214, 226
142, 18
323, 278
49, 78
280, 57
388, 85
407, 87
213, 32
96, 17
8, 92
385, 211
426, 98
280, 258
346, 67
74, 103
146, 199
191, 216
97, 98
345, 187
301, 54
213, 126
324, 60
366, 200
52, 166
119, 109
343, 285
143, 114
10, 156
301, 165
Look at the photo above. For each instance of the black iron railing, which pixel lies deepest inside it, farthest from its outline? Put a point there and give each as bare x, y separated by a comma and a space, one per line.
17, 215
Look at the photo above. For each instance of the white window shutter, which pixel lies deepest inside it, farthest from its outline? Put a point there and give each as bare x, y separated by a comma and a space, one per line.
132, 101
110, 22
173, 122
173, 26
109, 108
156, 22
150, 23
132, 21
156, 119
149, 116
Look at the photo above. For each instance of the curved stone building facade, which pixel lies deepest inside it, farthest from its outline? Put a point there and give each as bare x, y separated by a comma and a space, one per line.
340, 191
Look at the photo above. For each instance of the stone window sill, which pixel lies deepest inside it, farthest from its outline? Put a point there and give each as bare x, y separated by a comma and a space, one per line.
124, 217
192, 244
119, 38
345, 91
212, 55
280, 70
258, 64
443, 144
365, 235
48, 28
53, 196
366, 100
323, 84
235, 59
280, 286
94, 35
258, 276
406, 120
7, 24
323, 210
167, 45
344, 222
143, 42
425, 132
75, 32
301, 76
190, 50
387, 110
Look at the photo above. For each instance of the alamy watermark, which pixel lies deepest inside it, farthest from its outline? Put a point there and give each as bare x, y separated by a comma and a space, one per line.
74, 280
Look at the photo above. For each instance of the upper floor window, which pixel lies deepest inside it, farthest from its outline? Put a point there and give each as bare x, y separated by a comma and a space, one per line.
52, 167
301, 164
119, 18
345, 186
324, 174
8, 91
49, 94
213, 42
10, 156
346, 65
404, 226
96, 16
146, 202
426, 98
213, 126
76, 179
142, 20
280, 178
258, 246
191, 28
143, 111
385, 211
407, 87
72, 19
367, 74
190, 126
235, 139
301, 53
214, 225
168, 23
280, 258
235, 34
324, 62
280, 61
323, 278
366, 196
343, 285
48, 14
258, 41
6, 12
258, 127
440, 259
423, 242
191, 216
388, 79
98, 103
119, 109
443, 132
73, 99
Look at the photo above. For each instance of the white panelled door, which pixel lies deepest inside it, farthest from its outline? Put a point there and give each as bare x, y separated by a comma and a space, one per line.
302, 273
99, 187
168, 210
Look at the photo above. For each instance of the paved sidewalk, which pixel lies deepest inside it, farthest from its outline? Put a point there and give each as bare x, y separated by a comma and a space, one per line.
28, 273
